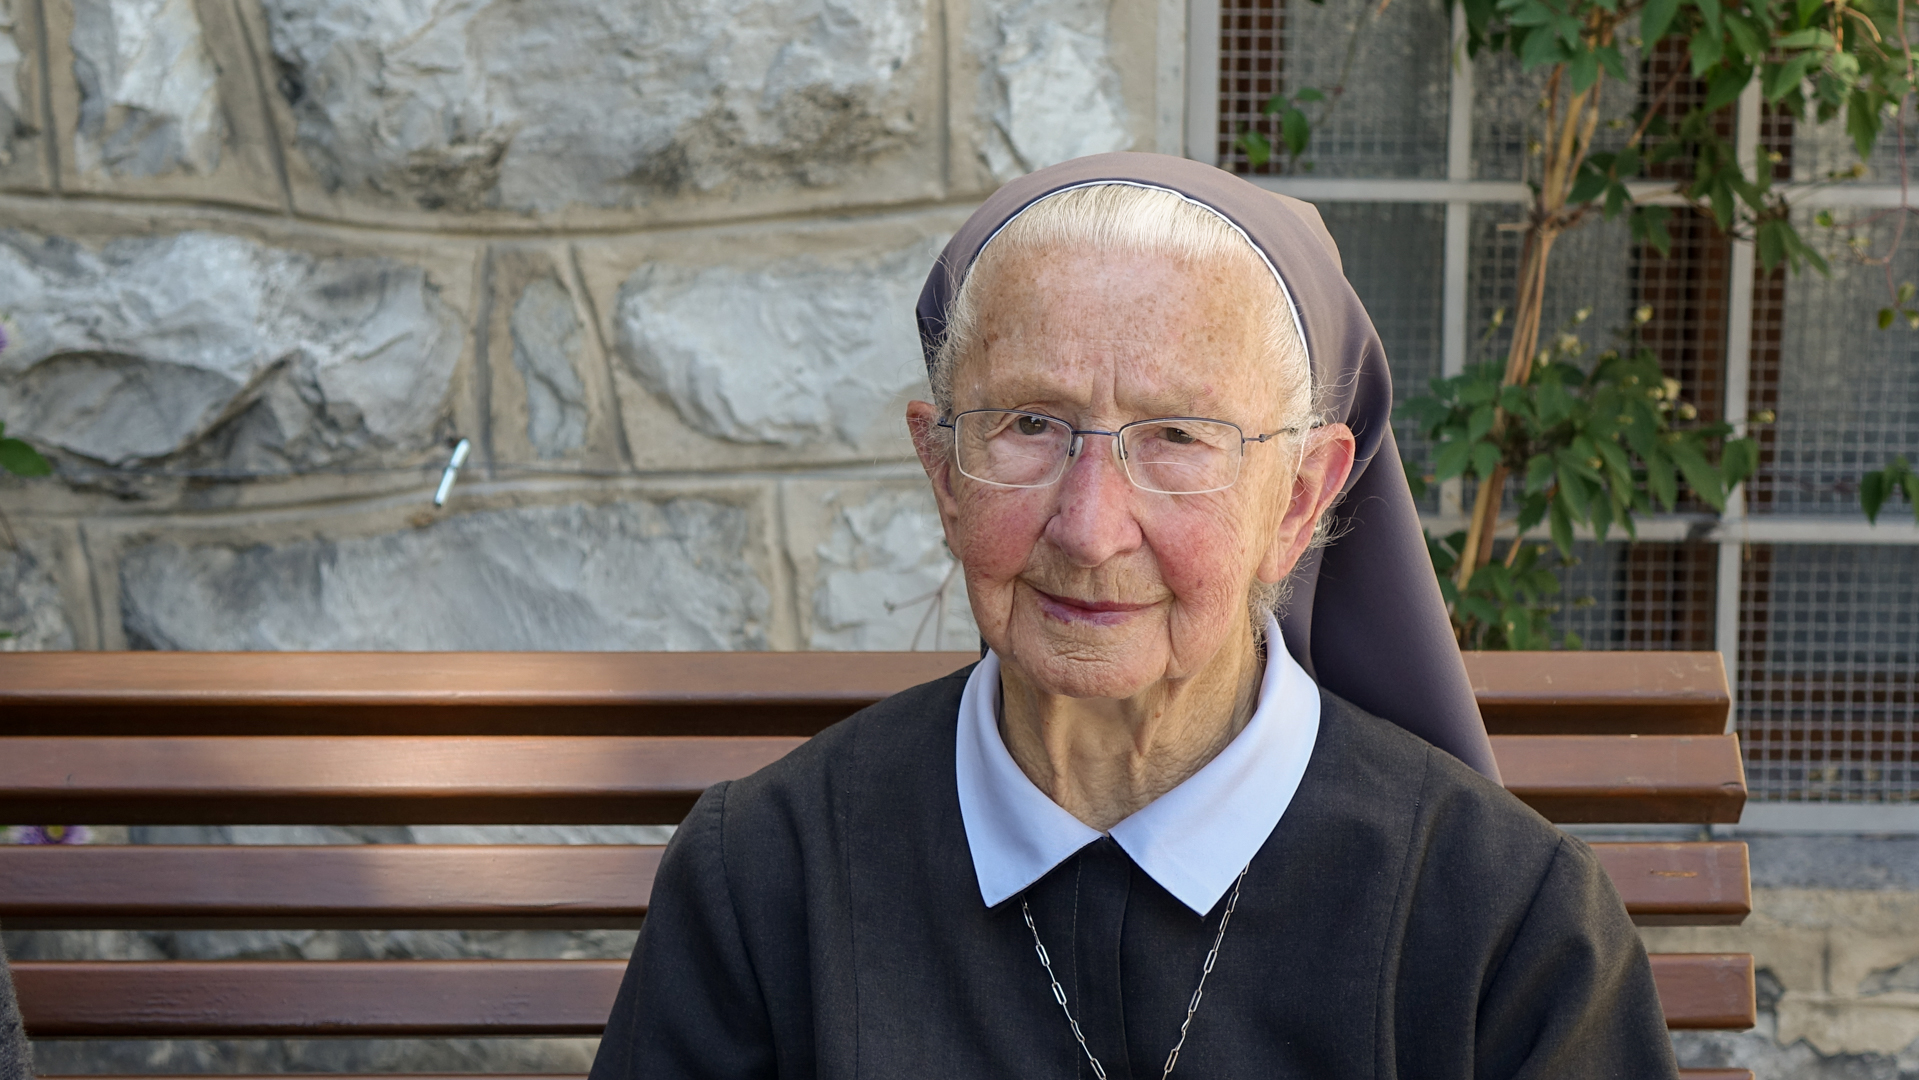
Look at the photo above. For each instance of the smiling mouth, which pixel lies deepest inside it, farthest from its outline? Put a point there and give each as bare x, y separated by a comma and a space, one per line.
1093, 612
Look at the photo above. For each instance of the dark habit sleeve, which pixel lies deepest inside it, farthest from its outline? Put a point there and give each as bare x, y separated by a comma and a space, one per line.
1573, 997
690, 1004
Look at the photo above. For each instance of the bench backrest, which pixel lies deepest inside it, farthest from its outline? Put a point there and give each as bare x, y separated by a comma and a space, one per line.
570, 738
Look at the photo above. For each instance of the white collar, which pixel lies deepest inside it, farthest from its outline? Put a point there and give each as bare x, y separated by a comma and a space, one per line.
1193, 840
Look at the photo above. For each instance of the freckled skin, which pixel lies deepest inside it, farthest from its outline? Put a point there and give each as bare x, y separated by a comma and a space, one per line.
1108, 706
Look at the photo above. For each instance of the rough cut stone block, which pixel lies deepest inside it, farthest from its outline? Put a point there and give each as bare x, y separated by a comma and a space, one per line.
32, 610
674, 574
551, 395
212, 350
582, 110
767, 347
875, 561
158, 97
23, 155
1049, 87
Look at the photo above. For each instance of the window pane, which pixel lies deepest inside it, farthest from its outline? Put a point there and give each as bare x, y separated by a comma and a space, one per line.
1816, 151
1640, 596
1394, 254
1846, 393
1827, 642
1390, 118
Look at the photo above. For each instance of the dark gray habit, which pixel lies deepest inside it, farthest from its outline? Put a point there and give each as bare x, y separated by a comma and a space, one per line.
1406, 918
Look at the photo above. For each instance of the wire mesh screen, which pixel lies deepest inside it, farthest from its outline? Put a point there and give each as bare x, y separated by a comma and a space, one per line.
1385, 82
1591, 267
1827, 643
1640, 596
1509, 119
1846, 393
1394, 254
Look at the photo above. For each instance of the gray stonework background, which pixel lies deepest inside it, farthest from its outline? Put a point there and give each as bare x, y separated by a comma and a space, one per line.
263, 261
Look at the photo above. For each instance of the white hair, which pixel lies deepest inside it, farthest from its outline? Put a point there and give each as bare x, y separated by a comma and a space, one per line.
1127, 219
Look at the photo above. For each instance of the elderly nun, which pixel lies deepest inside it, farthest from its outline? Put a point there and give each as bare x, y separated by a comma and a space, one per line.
1216, 801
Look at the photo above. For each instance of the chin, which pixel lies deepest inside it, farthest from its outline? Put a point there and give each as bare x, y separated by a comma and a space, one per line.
1082, 669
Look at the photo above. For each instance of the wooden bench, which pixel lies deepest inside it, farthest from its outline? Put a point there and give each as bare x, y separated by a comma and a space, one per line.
571, 738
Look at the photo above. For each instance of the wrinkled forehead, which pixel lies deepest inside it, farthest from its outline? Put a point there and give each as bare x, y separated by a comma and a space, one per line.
1279, 279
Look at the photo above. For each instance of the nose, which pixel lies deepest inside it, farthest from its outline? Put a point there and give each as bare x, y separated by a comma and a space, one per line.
1094, 520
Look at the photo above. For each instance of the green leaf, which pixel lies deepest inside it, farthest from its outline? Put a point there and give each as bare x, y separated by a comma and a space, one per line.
1885, 318
1802, 39
1738, 459
1452, 458
1584, 71
1771, 243
1307, 93
1725, 87
1873, 489
1655, 18
1709, 9
1562, 526
1661, 478
1575, 490
20, 459
1539, 473
1862, 122
1590, 182
1258, 150
1296, 130
1704, 480
1706, 49
1610, 59
1790, 75
1541, 47
1649, 227
1744, 36
1480, 422
1485, 459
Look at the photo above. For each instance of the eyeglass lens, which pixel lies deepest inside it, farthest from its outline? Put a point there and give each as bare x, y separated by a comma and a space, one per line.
1175, 457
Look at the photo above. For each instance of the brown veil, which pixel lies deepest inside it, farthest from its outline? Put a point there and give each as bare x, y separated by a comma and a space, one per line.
1366, 619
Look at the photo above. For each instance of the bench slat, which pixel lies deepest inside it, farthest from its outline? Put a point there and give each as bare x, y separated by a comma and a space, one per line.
523, 887
1701, 883
456, 998
1601, 778
162, 693
1706, 991
243, 999
1601, 693
424, 780
348, 887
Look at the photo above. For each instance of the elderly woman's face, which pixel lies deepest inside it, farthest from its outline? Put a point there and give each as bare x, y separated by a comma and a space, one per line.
1093, 587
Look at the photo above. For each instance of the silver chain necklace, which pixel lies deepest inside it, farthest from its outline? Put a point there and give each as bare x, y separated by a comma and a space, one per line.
1059, 992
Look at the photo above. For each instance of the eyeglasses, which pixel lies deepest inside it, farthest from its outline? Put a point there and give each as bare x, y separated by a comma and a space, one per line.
1172, 455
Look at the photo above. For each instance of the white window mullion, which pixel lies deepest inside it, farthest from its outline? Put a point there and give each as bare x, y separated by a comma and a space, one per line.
1170, 89
1203, 34
1738, 384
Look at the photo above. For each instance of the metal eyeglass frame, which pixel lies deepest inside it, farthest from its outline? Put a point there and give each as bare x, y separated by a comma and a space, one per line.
1119, 446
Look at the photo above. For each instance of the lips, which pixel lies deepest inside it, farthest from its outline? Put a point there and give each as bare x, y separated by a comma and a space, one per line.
1086, 612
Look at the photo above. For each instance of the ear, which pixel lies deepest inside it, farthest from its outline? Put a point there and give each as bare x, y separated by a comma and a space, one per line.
1325, 460
934, 446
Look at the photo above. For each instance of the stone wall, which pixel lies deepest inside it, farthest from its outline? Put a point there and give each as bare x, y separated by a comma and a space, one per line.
264, 260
